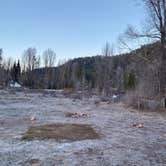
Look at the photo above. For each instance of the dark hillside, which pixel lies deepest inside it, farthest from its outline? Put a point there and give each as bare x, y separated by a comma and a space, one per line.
133, 70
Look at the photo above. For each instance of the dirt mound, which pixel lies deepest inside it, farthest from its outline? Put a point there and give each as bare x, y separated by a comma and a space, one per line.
71, 132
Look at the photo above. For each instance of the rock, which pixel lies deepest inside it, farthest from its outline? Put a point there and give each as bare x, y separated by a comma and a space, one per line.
138, 125
33, 118
76, 115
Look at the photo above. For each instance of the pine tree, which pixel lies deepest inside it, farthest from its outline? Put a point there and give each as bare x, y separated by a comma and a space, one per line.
13, 72
18, 71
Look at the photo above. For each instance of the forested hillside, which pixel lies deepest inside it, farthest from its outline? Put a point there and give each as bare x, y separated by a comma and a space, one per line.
137, 70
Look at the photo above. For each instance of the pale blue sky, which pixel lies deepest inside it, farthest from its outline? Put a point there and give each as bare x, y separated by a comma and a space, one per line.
73, 28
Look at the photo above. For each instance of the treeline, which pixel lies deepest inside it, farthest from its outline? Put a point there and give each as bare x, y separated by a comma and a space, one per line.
22, 70
138, 71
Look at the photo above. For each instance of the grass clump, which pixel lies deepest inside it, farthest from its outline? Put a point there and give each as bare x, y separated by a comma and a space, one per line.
72, 132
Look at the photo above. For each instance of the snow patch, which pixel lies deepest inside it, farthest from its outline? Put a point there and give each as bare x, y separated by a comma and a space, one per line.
15, 85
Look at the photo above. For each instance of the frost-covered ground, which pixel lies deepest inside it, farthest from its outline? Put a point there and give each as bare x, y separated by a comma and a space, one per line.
120, 144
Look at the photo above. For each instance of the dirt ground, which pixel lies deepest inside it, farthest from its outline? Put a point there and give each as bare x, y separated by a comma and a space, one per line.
127, 137
61, 131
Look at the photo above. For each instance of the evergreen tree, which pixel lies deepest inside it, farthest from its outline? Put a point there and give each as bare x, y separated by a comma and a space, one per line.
13, 72
18, 71
129, 81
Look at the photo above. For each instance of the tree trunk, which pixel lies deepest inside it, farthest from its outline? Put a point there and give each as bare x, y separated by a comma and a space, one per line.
163, 67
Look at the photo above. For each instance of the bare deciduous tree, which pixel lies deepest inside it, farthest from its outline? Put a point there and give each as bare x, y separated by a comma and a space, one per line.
107, 50
30, 62
49, 57
1, 52
1, 68
155, 29
29, 59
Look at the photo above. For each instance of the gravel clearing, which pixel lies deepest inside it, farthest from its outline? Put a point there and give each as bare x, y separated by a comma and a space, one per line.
120, 142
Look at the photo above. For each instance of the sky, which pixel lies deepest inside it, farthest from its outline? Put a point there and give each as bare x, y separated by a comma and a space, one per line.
72, 28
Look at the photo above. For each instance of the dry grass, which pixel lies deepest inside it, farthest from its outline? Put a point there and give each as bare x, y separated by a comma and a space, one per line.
68, 90
71, 132
32, 162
